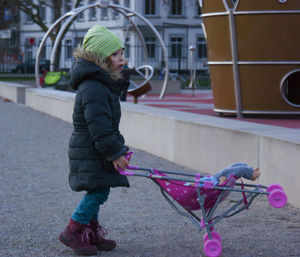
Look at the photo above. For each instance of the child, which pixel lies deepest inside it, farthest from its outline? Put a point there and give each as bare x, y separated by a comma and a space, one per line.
96, 147
237, 169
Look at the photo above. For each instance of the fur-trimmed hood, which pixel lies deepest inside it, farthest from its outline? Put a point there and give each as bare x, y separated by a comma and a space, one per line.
90, 66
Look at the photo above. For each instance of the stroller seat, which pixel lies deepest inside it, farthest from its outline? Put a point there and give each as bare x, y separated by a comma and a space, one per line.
186, 193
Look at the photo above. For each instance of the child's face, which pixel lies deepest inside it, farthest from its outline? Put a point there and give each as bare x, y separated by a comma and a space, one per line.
117, 60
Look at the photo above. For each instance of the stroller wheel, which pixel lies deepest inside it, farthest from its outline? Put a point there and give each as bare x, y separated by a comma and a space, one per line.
214, 235
212, 248
277, 198
273, 187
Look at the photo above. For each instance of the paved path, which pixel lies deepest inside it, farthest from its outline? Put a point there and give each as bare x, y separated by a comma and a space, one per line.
36, 203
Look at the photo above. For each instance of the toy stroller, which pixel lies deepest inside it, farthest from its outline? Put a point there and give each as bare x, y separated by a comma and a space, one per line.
187, 190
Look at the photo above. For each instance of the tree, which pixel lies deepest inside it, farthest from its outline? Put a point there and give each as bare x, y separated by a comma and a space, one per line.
33, 9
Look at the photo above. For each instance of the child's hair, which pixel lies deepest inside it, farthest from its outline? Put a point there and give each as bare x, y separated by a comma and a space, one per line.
108, 61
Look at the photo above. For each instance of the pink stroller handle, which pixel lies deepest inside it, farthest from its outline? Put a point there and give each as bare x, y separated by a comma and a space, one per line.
197, 180
126, 172
133, 167
129, 167
128, 155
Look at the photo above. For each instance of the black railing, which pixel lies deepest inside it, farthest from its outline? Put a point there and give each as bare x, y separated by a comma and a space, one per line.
21, 61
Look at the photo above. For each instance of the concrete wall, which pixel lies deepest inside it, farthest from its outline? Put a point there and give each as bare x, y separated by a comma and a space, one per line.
12, 91
203, 143
56, 103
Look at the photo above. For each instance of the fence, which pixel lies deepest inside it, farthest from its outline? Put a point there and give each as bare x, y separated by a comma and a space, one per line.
22, 60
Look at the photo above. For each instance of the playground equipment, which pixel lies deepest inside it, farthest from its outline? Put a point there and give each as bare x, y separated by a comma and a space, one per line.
192, 49
135, 90
253, 55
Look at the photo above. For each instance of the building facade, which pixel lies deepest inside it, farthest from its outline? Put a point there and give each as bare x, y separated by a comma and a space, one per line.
9, 36
177, 21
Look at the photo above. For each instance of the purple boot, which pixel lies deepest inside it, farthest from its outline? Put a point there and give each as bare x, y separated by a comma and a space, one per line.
98, 239
77, 236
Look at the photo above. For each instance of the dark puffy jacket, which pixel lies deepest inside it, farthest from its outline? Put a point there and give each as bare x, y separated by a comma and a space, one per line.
96, 140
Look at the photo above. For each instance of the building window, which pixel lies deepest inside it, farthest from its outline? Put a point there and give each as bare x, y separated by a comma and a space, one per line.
151, 46
28, 18
68, 49
42, 10
127, 48
52, 17
78, 41
92, 11
176, 7
115, 14
80, 17
28, 49
176, 47
150, 7
201, 48
14, 38
67, 5
104, 14
198, 10
127, 3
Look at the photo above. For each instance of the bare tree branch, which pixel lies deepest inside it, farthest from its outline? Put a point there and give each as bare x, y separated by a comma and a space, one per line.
33, 8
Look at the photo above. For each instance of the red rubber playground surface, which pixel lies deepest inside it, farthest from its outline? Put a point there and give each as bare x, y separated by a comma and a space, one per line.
202, 103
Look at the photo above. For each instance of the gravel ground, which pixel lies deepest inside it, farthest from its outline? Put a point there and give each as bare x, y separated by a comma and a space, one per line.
36, 203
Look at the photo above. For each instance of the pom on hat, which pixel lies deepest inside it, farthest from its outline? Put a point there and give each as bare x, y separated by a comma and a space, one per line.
101, 41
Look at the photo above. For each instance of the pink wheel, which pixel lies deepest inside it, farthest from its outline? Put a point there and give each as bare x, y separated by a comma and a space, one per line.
273, 187
212, 248
277, 198
214, 235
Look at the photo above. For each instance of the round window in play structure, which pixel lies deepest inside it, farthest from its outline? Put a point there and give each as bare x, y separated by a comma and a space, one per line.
290, 88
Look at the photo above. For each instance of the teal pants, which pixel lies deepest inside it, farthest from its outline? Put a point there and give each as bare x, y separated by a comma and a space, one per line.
89, 206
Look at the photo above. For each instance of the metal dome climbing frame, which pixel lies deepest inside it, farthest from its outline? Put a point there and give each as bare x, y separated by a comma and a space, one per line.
128, 14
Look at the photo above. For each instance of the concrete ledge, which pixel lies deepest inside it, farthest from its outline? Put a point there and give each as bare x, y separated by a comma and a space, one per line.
12, 91
203, 143
56, 103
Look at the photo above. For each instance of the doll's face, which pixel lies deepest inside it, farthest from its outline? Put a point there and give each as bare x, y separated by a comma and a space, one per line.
117, 60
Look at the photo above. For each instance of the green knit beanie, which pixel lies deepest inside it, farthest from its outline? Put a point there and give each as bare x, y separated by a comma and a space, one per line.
101, 41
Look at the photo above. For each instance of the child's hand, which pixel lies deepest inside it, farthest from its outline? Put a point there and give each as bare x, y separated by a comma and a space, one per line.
120, 163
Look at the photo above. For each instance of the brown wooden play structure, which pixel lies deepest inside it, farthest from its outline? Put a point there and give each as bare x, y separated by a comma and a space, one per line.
253, 55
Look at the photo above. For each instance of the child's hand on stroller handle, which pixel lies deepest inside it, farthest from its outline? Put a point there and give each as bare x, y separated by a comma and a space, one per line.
123, 171
121, 163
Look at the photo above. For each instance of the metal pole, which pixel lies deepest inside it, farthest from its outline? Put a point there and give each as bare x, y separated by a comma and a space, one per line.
61, 33
192, 49
140, 35
37, 58
236, 75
